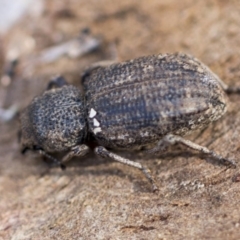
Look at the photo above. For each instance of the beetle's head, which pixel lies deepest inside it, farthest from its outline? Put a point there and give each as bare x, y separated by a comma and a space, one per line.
54, 121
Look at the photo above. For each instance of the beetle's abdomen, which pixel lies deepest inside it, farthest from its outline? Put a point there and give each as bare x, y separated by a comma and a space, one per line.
140, 101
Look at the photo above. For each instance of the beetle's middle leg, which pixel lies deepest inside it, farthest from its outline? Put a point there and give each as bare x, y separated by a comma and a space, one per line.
76, 151
103, 152
171, 139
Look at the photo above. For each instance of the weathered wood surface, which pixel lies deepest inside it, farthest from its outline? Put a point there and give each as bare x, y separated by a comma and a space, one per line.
98, 199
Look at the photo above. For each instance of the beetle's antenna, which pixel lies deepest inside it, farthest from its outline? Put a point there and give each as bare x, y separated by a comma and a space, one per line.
62, 166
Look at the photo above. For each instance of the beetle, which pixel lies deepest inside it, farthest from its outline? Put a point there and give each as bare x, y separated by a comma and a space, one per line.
149, 102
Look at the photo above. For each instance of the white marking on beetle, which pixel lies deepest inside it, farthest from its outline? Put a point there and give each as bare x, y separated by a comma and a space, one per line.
97, 130
96, 123
92, 113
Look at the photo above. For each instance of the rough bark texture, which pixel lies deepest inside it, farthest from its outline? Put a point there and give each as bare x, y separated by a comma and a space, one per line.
99, 199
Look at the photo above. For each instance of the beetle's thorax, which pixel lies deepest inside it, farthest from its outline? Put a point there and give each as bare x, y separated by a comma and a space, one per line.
55, 121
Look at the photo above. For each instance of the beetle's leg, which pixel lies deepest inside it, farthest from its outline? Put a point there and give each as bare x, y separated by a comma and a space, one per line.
171, 139
103, 152
76, 151
59, 163
230, 90
57, 82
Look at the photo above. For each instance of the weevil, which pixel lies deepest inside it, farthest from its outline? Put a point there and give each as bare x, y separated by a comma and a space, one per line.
149, 102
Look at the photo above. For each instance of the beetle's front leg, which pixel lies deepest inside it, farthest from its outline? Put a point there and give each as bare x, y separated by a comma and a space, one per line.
171, 139
103, 152
76, 151
54, 160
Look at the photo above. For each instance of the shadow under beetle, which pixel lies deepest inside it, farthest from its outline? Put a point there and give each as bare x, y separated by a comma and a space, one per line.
146, 102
